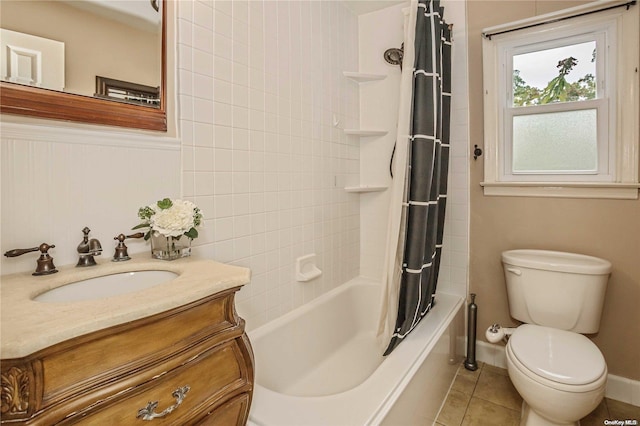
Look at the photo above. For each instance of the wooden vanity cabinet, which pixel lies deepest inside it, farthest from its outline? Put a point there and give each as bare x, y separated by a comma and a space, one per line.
108, 376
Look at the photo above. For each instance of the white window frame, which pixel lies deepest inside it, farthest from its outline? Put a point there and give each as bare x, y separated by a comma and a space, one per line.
617, 103
605, 71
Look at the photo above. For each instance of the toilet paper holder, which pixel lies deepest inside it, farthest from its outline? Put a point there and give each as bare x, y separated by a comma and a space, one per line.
496, 333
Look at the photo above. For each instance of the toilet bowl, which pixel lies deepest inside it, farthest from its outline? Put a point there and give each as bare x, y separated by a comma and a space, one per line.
560, 375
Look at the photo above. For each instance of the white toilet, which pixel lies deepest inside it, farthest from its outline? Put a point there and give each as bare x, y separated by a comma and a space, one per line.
560, 374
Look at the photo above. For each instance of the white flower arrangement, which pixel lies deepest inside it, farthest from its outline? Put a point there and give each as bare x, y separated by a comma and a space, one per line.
171, 218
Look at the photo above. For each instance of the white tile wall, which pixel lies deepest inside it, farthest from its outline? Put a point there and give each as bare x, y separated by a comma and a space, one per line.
260, 83
454, 267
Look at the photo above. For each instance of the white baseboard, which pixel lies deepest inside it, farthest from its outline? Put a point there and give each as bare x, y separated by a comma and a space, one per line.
618, 388
623, 389
491, 354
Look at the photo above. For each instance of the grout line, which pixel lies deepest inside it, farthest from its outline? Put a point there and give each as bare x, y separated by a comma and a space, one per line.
606, 407
475, 386
465, 411
473, 395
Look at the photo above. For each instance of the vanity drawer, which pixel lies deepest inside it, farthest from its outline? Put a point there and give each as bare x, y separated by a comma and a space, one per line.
212, 377
86, 362
107, 375
234, 412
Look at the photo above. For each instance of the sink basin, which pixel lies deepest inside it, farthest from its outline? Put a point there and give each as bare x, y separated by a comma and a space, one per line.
106, 286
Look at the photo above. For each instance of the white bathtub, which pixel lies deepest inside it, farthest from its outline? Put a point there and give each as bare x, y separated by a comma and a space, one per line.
320, 364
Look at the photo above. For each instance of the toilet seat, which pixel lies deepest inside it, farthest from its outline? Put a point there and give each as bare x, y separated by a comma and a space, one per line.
557, 358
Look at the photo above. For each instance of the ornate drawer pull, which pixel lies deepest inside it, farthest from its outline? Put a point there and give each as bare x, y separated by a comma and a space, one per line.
147, 413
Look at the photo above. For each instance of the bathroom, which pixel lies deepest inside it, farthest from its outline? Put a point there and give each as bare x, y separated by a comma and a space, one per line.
255, 138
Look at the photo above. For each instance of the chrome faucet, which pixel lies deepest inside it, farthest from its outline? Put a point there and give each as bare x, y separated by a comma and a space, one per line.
87, 249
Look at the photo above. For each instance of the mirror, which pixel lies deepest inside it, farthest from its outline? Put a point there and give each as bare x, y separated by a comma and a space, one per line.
90, 61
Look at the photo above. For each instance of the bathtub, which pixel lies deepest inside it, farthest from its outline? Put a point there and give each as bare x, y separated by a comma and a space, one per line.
320, 364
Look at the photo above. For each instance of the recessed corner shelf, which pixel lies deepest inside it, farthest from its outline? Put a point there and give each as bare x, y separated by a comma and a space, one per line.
365, 188
362, 132
362, 77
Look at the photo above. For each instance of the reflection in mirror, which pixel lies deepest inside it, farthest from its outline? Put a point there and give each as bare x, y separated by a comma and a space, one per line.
108, 88
57, 55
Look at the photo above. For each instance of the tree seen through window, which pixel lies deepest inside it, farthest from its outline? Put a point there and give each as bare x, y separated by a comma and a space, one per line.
558, 89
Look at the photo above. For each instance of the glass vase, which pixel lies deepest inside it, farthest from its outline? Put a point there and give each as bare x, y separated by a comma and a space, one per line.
170, 248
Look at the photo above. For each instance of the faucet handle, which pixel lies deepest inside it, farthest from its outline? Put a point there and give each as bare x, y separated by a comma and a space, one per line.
121, 253
45, 264
20, 252
123, 237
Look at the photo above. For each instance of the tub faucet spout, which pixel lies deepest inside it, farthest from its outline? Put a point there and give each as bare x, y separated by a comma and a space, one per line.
87, 249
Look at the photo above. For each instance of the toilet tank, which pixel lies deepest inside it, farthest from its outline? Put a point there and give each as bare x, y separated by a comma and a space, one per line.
556, 289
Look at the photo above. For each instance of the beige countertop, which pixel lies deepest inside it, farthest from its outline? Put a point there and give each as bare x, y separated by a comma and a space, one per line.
28, 326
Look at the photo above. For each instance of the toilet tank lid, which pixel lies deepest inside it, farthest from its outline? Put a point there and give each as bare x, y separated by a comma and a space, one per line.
557, 261
558, 355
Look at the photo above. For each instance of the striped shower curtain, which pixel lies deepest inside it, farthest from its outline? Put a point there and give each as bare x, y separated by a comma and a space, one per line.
419, 195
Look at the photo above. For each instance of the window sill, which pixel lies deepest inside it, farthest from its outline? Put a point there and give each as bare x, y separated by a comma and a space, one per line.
616, 191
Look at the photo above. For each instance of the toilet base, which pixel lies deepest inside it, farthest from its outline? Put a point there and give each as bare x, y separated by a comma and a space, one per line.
529, 417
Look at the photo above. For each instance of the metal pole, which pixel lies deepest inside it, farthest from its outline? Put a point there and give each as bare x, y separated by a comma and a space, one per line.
470, 363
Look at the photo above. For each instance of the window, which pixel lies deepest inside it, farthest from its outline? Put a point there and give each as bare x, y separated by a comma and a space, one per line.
561, 106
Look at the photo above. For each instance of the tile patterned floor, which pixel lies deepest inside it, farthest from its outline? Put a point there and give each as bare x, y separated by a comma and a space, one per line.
486, 397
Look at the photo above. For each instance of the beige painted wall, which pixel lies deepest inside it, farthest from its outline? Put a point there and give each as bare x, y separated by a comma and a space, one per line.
93, 45
605, 228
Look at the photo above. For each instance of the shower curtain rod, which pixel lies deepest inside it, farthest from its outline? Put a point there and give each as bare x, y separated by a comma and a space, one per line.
628, 4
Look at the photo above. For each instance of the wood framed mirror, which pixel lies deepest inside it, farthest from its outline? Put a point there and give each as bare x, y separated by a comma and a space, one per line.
32, 101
